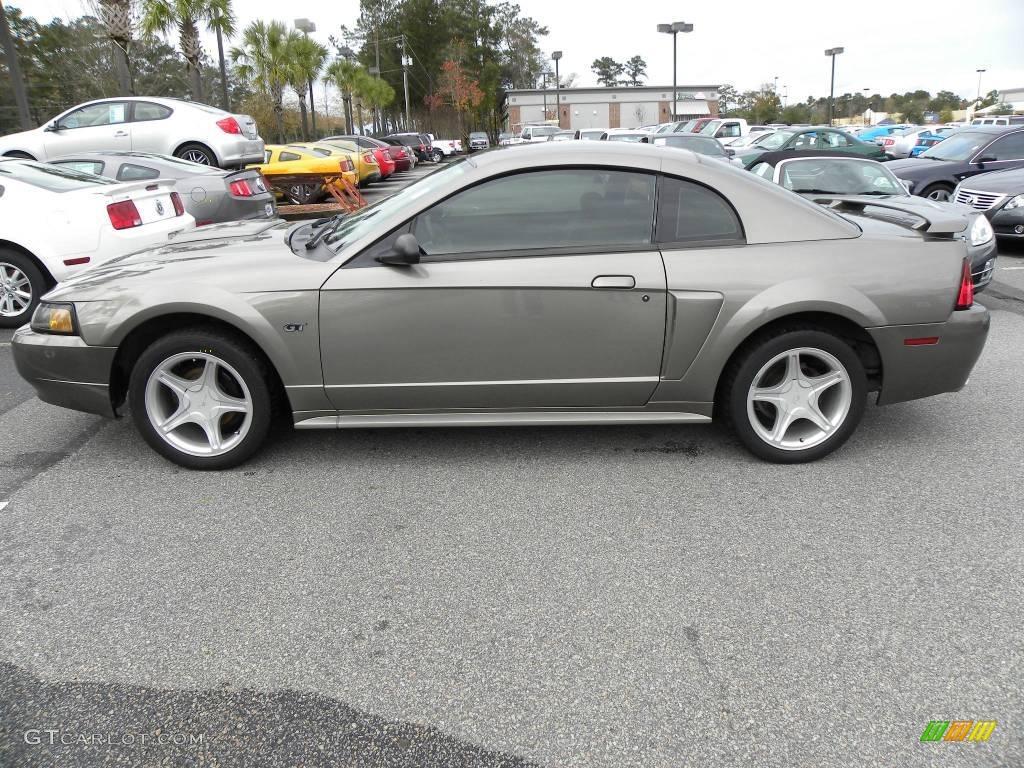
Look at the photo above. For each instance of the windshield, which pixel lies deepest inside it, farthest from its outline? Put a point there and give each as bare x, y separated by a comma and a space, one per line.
51, 177
634, 137
776, 140
710, 128
478, 135
350, 228
839, 176
960, 146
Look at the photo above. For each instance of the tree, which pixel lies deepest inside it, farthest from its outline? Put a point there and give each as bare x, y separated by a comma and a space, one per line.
636, 72
608, 71
14, 70
913, 113
345, 76
162, 16
728, 99
456, 90
306, 59
992, 97
118, 17
263, 58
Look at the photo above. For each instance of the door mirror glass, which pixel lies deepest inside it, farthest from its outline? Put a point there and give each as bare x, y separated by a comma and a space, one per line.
405, 252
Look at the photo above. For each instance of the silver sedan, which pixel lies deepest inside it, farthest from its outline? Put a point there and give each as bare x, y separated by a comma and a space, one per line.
565, 283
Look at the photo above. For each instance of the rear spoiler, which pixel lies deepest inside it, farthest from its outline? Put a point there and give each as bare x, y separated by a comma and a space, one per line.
935, 219
127, 187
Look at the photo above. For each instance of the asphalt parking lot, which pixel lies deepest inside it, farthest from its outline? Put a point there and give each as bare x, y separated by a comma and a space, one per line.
621, 596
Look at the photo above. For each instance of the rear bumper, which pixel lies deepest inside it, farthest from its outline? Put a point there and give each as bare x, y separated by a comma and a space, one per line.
64, 370
241, 153
912, 372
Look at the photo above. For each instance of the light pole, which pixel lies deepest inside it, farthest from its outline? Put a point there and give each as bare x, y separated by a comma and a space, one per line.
867, 98
833, 52
557, 55
674, 29
980, 73
306, 26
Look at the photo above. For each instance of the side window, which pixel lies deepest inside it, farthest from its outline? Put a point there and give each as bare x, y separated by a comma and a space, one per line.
567, 208
728, 131
132, 172
1007, 148
288, 156
85, 166
691, 213
147, 110
835, 139
106, 113
805, 141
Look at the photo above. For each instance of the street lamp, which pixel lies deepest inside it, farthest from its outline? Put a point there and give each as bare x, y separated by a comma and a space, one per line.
306, 26
980, 73
674, 29
833, 52
557, 55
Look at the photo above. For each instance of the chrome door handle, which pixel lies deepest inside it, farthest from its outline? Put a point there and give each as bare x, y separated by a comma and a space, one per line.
622, 282
119, 134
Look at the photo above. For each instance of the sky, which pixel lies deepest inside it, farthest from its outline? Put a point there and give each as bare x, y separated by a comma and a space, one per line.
931, 45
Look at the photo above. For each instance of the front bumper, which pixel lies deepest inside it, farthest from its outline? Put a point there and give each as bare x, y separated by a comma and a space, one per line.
64, 370
912, 372
1005, 222
983, 263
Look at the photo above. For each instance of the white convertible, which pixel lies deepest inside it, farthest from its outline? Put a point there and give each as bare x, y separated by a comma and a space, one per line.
56, 222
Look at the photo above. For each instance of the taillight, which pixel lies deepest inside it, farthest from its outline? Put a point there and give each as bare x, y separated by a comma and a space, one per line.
241, 188
965, 299
889, 142
229, 125
124, 215
369, 158
179, 207
423, 147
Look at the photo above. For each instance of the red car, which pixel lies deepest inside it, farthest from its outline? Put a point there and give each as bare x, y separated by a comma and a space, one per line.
397, 160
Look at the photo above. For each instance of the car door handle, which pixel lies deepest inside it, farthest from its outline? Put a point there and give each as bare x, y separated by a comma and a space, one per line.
614, 281
118, 134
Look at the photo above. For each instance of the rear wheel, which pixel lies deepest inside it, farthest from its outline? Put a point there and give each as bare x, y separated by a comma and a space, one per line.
196, 153
303, 194
21, 285
438, 155
201, 399
795, 396
940, 192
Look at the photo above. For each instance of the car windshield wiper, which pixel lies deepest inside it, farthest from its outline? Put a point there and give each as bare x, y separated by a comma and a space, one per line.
322, 225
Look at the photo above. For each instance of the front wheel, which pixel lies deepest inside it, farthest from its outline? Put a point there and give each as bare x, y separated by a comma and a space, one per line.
941, 192
21, 285
796, 396
201, 399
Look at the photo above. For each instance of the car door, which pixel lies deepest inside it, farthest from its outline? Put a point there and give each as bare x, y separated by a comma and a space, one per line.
96, 127
537, 290
150, 130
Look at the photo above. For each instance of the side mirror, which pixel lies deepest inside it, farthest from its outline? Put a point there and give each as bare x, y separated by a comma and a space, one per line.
986, 159
404, 253
644, 140
730, 153
51, 127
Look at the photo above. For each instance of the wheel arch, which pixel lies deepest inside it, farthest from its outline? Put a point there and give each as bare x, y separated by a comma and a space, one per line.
20, 153
149, 330
834, 323
29, 255
201, 144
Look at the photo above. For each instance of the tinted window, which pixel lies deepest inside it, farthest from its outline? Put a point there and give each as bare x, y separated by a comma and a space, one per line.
107, 113
146, 110
285, 157
130, 172
85, 166
545, 209
690, 213
1007, 148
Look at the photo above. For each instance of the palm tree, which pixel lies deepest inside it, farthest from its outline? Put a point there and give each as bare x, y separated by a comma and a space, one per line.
186, 16
306, 60
118, 22
377, 94
263, 59
345, 75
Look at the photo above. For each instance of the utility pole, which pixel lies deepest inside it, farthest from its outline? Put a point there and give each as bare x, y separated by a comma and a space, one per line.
406, 63
14, 70
544, 88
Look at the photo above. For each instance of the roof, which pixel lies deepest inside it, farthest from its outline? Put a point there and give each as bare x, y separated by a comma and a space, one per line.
776, 157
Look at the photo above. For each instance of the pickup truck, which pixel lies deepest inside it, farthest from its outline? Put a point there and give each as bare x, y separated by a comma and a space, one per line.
532, 134
726, 129
448, 146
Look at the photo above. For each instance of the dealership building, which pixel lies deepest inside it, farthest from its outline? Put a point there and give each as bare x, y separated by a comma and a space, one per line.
619, 107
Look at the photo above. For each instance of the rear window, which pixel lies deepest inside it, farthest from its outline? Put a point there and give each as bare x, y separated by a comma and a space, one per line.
51, 177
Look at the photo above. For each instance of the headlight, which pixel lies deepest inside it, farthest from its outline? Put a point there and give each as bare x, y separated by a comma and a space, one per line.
1014, 202
981, 231
55, 318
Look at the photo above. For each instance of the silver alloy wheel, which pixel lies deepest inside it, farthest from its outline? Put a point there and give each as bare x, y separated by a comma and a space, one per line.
940, 194
15, 290
799, 398
196, 156
199, 404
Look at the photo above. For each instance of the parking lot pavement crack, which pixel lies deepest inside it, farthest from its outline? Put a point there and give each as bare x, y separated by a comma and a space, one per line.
77, 724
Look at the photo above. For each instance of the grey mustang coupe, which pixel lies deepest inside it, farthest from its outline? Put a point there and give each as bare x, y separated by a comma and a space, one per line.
561, 283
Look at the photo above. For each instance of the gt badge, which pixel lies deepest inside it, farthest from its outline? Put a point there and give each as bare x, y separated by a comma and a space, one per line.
294, 327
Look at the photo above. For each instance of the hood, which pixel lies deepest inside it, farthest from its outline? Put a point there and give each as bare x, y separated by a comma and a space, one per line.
1008, 182
238, 257
919, 167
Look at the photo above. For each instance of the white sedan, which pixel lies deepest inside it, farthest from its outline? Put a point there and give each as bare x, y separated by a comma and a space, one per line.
56, 222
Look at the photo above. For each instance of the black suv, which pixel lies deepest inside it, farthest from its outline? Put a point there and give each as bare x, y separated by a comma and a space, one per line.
417, 142
968, 152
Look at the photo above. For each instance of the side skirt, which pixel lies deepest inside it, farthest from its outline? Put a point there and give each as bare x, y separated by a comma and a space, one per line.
498, 419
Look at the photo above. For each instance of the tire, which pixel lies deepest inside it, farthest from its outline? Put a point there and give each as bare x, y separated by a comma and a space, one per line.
197, 153
19, 275
438, 155
940, 192
234, 401
303, 194
18, 155
785, 366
